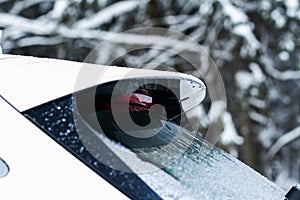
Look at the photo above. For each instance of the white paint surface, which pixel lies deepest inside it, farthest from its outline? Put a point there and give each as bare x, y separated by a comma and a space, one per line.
40, 168
27, 81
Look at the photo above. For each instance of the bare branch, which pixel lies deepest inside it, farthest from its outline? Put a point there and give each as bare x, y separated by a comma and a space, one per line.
36, 40
107, 14
39, 27
22, 5
43, 27
280, 75
59, 9
282, 141
270, 65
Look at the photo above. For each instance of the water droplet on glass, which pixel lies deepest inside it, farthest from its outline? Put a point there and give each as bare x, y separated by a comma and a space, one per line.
4, 169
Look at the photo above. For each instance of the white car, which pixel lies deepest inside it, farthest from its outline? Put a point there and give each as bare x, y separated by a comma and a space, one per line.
62, 137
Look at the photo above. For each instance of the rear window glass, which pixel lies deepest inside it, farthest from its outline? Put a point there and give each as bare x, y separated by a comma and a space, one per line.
200, 170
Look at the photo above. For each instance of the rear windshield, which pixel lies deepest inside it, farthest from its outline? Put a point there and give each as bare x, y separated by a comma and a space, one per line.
188, 167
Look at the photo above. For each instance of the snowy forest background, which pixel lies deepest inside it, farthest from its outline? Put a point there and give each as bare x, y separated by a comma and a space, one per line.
255, 44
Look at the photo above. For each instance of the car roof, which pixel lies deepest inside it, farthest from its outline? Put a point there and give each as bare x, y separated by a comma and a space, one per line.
29, 81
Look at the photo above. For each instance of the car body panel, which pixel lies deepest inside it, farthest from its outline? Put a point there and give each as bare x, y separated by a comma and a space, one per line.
27, 82
41, 169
